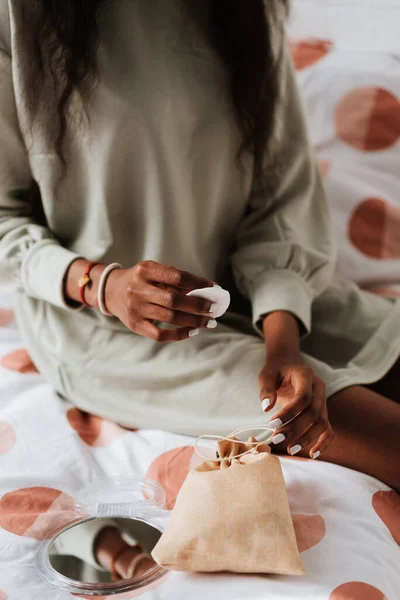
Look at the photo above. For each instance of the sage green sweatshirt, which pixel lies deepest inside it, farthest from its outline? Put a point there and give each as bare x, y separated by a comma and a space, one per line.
153, 175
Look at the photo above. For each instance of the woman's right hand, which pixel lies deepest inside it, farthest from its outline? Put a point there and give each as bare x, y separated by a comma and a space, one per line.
150, 292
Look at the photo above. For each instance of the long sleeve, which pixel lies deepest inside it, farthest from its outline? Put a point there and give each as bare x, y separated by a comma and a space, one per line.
284, 254
29, 253
79, 541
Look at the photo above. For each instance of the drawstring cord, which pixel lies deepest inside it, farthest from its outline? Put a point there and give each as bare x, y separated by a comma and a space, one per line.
230, 439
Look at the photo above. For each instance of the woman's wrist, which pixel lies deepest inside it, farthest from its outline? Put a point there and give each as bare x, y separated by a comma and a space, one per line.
71, 285
282, 336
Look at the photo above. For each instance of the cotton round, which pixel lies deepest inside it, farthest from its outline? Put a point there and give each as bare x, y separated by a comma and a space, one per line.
217, 295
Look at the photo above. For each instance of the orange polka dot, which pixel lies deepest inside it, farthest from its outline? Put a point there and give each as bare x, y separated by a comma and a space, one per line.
35, 512
307, 53
94, 431
7, 437
19, 361
170, 470
368, 119
391, 243
324, 167
387, 507
309, 530
6, 317
373, 229
356, 590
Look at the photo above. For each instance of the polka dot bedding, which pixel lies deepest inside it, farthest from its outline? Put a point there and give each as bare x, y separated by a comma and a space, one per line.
347, 524
350, 85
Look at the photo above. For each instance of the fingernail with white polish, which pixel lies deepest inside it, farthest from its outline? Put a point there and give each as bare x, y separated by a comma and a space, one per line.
213, 308
315, 455
277, 439
265, 404
212, 324
193, 332
275, 424
295, 450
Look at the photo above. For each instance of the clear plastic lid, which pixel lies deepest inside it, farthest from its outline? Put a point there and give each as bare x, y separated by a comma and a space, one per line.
122, 497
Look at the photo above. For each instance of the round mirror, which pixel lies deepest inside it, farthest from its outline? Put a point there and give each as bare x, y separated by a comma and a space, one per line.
100, 556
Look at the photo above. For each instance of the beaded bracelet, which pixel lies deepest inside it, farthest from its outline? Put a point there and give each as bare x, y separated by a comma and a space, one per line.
84, 280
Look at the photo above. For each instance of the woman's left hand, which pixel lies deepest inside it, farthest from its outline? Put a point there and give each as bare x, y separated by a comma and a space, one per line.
303, 424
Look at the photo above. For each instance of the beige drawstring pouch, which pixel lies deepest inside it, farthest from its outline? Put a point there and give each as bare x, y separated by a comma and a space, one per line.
232, 514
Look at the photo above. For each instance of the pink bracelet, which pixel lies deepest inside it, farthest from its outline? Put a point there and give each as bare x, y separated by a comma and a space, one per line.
102, 288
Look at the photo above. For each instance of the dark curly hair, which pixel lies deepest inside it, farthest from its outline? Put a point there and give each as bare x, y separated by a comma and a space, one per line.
66, 37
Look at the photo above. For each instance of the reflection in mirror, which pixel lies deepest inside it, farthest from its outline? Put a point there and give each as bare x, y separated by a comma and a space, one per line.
105, 550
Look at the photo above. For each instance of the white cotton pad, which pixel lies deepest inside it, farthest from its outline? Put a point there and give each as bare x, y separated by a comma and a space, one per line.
216, 295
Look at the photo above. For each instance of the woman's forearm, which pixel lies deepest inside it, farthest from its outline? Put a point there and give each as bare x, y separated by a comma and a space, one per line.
282, 334
71, 282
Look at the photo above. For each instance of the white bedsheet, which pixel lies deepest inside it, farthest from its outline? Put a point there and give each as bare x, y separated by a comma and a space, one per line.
343, 519
352, 24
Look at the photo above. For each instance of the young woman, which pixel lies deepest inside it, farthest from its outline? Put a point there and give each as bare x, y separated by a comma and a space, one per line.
167, 136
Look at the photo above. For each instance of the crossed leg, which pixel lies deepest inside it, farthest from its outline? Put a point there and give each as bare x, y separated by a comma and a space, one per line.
367, 428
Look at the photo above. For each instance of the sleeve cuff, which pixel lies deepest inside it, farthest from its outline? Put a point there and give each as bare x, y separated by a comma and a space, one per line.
281, 290
43, 270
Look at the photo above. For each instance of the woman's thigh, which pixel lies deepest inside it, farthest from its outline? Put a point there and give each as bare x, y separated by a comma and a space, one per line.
367, 428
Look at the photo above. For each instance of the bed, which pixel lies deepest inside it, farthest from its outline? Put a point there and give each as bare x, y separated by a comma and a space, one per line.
347, 524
